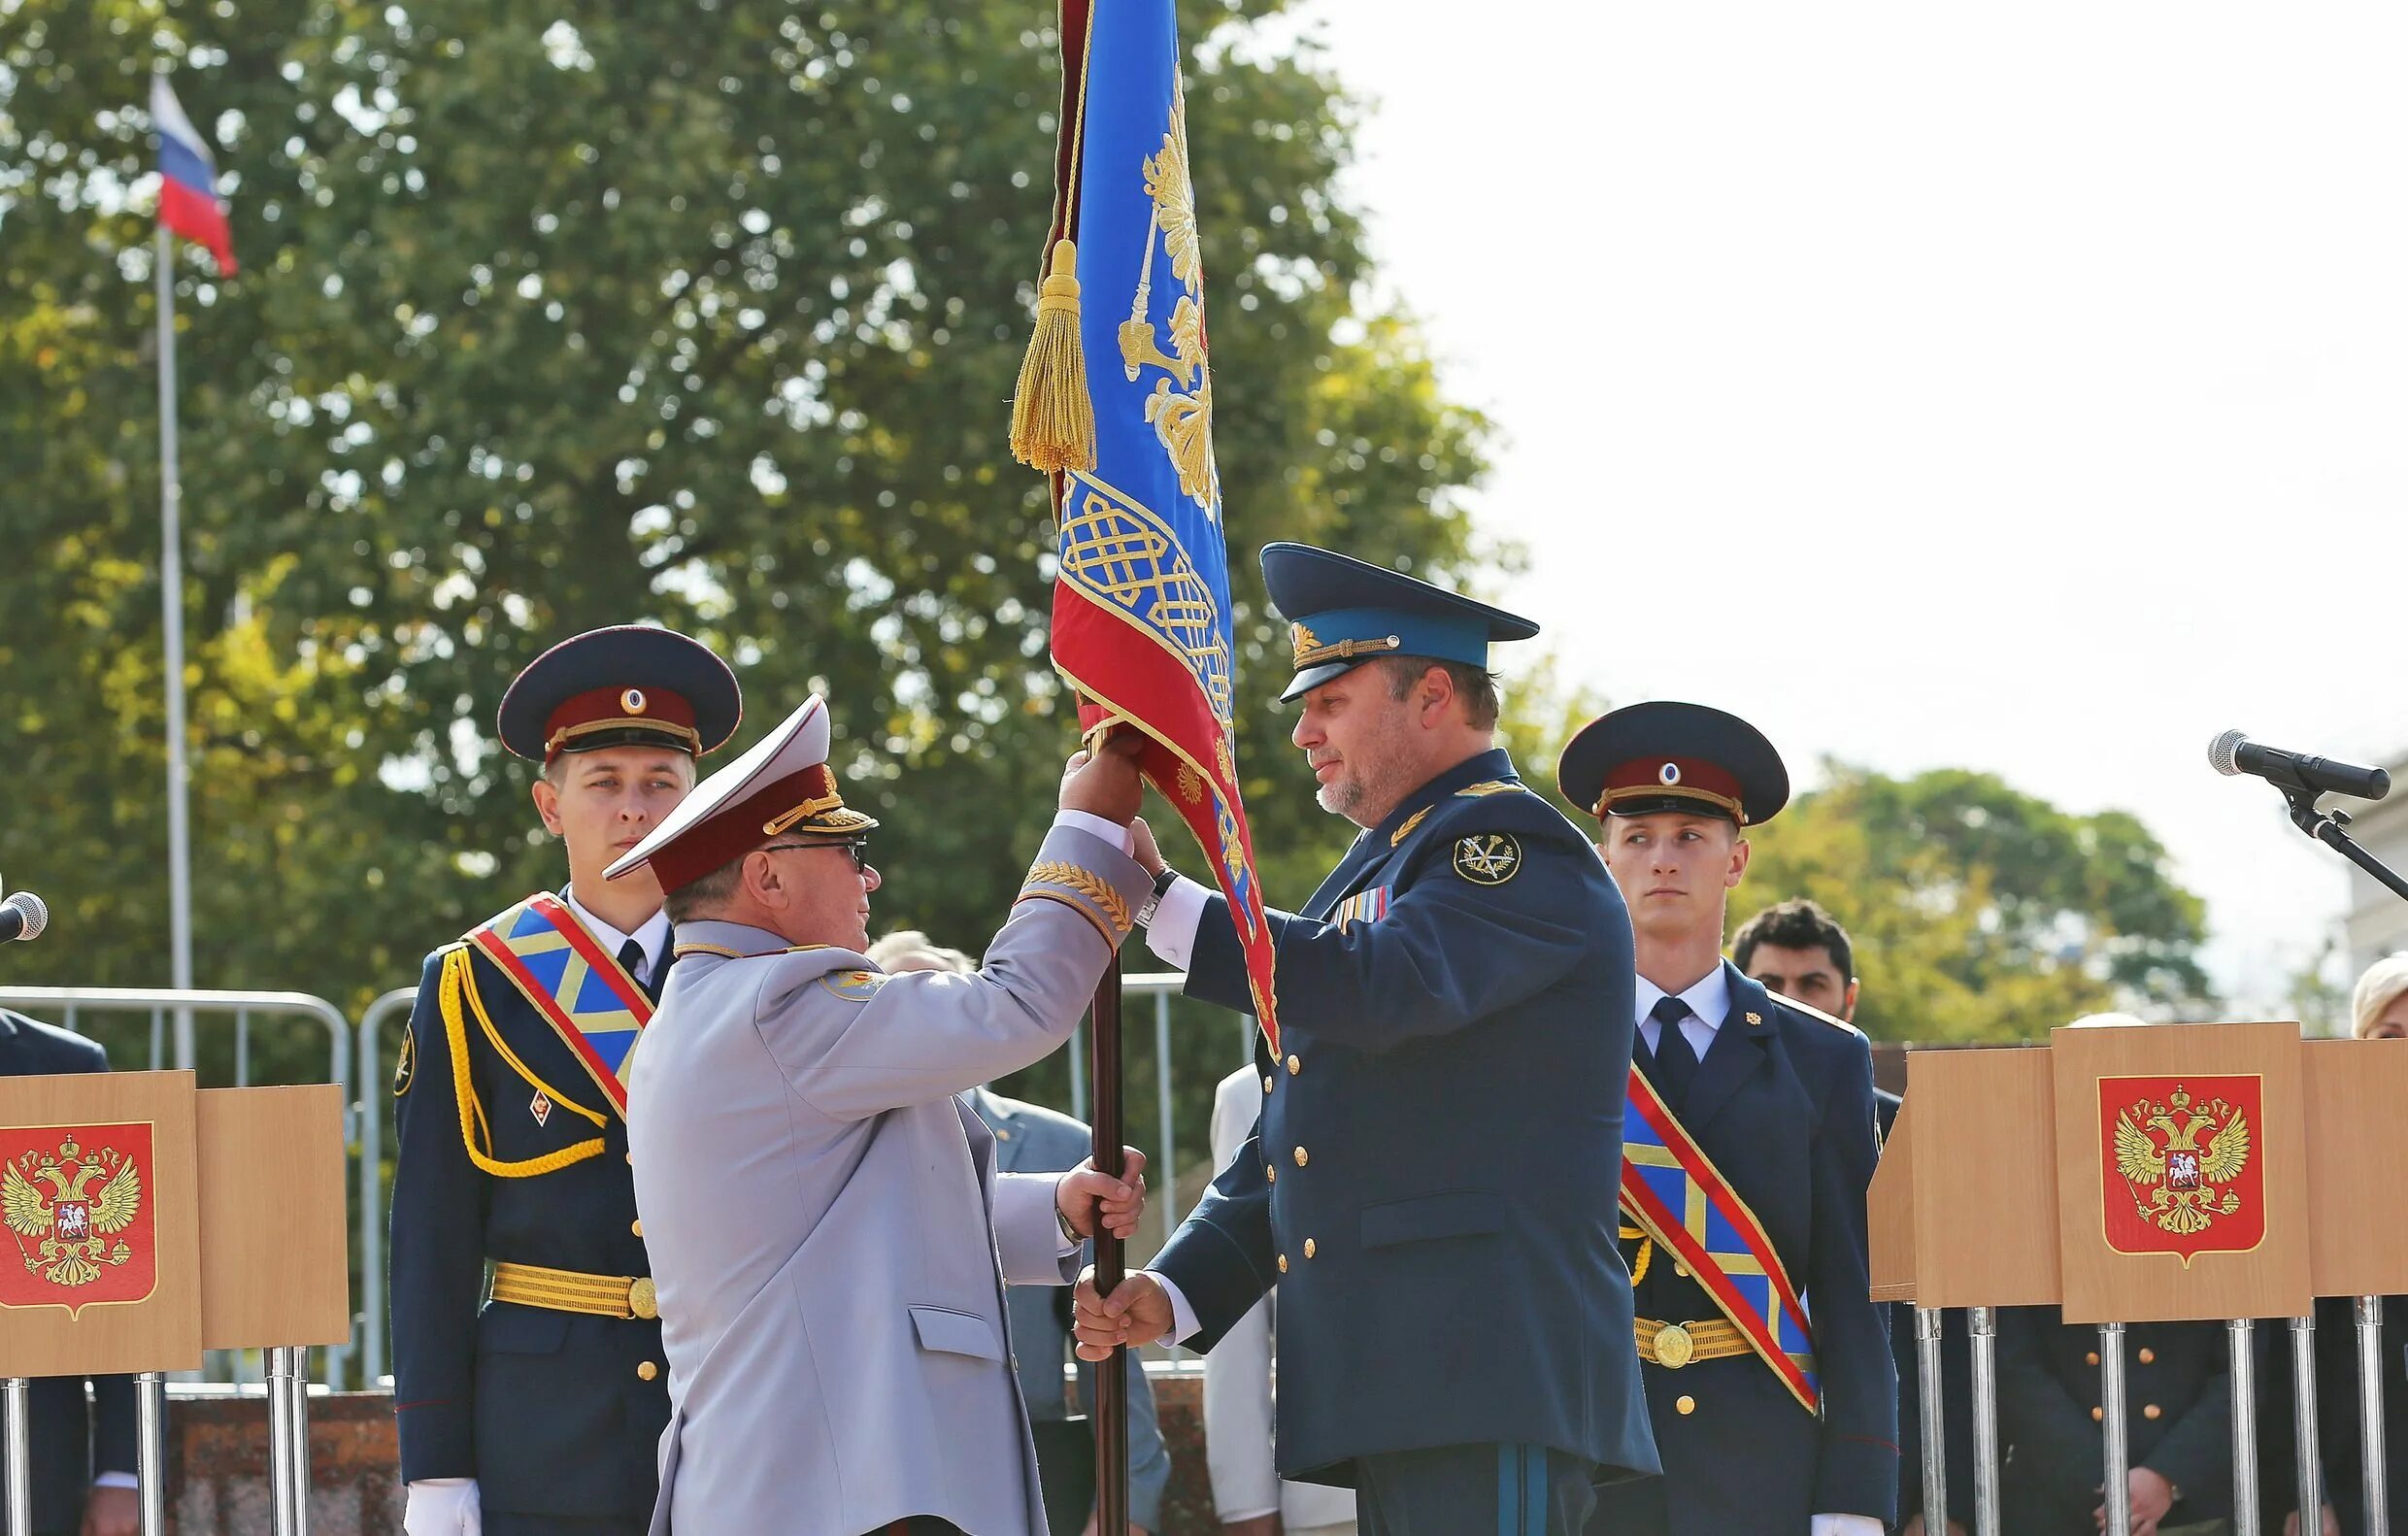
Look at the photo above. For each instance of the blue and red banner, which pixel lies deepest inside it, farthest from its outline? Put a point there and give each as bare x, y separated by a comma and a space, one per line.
188, 201
1141, 604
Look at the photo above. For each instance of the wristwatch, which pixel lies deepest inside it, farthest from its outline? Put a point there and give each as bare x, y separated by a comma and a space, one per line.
1070, 1234
1161, 882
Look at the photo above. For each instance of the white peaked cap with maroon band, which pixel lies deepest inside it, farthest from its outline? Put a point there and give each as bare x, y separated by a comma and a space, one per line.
782, 786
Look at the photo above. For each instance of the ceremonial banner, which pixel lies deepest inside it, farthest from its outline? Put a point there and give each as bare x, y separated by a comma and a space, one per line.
1117, 403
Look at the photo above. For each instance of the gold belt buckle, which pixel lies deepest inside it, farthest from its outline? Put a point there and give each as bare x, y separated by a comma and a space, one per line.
1674, 1348
641, 1299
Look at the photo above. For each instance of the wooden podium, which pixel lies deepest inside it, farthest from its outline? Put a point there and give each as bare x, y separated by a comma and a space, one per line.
147, 1221
2170, 1171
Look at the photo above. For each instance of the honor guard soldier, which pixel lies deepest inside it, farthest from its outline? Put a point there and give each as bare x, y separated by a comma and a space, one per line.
1751, 1143
1430, 1184
538, 1412
832, 1233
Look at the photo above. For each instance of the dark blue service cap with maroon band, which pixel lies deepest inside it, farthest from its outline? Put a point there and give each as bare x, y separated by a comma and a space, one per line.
626, 686
1665, 755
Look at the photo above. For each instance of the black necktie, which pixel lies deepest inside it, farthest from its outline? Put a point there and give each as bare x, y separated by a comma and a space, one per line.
1676, 1060
632, 960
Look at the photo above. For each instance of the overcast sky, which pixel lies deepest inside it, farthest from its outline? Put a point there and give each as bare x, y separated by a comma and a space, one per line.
2019, 389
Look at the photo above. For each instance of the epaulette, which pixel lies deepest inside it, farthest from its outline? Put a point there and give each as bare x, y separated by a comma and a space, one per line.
1812, 1012
1489, 786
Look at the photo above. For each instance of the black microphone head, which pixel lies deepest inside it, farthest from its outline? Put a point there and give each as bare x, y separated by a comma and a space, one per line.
37, 916
2222, 752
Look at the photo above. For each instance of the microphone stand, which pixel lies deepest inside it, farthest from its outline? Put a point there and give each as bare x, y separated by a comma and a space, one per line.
2326, 828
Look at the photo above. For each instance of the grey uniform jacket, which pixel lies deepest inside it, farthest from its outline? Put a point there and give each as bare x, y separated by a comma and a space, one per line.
1033, 1139
827, 1232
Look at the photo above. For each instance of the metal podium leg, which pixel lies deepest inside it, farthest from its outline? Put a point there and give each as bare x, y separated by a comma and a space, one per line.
2311, 1486
151, 1449
288, 1381
280, 1444
1927, 1324
2241, 1335
16, 1428
1982, 1323
2371, 1415
2117, 1489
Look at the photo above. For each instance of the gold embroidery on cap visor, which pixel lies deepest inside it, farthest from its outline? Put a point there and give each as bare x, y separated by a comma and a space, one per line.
1309, 652
691, 737
828, 813
1658, 791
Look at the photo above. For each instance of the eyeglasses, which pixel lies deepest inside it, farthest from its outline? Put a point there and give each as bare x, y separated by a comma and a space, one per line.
857, 847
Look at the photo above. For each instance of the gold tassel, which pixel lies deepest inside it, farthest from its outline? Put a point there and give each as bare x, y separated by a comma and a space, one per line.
1052, 420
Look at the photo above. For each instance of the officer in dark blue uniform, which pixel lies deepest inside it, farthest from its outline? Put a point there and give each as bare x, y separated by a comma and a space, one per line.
1432, 1182
83, 1456
539, 1412
1773, 1419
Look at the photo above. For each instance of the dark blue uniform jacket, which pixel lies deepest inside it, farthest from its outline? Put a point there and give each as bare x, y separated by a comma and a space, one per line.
1433, 1181
552, 1413
1783, 1104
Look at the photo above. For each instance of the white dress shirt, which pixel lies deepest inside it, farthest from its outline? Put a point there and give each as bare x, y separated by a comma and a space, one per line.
1709, 1004
653, 938
1171, 933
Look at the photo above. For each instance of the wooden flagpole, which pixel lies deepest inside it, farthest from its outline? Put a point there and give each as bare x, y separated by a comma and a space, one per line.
1112, 1467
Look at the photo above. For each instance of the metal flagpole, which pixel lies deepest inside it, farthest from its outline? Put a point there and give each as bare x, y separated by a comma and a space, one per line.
171, 598
179, 841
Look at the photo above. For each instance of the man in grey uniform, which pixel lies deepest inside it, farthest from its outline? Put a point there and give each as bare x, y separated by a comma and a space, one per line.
828, 1234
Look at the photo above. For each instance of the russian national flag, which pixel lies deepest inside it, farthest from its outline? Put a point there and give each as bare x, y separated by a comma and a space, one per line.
188, 202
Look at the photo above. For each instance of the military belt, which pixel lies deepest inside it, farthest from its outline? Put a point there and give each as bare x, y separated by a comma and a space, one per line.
1673, 1345
568, 1291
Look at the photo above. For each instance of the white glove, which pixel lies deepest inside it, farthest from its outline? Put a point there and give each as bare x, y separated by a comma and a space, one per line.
443, 1507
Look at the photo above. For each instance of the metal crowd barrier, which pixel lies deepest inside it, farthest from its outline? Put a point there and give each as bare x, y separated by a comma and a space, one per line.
2241, 1341
381, 1015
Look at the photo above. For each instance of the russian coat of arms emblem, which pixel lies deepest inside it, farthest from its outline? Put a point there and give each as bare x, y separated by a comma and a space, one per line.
74, 1205
2179, 1172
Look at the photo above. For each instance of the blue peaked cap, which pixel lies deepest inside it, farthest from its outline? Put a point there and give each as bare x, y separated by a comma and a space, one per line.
1343, 612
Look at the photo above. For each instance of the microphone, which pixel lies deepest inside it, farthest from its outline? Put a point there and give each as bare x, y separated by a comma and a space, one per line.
2235, 753
23, 916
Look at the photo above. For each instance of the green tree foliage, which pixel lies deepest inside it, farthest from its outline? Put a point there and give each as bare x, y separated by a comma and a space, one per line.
1981, 913
555, 316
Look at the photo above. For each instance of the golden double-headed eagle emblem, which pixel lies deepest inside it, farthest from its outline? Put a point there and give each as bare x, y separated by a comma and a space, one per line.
75, 1229
2176, 1182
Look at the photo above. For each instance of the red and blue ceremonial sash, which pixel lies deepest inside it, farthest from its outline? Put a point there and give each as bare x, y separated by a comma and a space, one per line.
577, 987
1674, 1192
